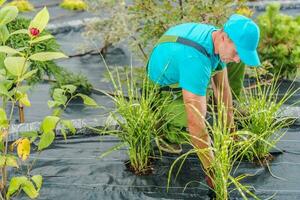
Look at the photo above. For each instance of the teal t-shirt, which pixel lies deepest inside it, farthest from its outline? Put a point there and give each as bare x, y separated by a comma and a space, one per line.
172, 63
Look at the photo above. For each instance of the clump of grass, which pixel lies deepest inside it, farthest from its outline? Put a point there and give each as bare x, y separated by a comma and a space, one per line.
262, 118
140, 118
74, 5
226, 152
22, 5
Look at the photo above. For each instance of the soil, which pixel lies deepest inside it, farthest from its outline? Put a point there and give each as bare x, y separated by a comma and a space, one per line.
264, 161
148, 171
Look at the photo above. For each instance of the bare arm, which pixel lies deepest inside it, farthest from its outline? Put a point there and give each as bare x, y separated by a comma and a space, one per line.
196, 110
221, 88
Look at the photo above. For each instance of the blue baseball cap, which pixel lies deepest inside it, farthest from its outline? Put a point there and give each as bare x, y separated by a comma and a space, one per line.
245, 35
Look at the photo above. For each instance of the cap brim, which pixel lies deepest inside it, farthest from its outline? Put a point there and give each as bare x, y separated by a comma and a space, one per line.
250, 58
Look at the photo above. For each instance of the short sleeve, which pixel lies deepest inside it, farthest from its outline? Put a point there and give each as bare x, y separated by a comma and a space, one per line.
194, 74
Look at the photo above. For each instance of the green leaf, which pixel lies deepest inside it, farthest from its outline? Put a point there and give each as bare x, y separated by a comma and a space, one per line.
2, 2
45, 56
46, 139
30, 190
2, 160
38, 181
42, 38
41, 20
4, 33
3, 118
3, 90
24, 100
68, 124
15, 184
57, 112
58, 95
2, 57
28, 75
21, 31
64, 133
49, 123
7, 14
11, 161
29, 134
88, 100
8, 50
16, 65
52, 104
2, 145
71, 88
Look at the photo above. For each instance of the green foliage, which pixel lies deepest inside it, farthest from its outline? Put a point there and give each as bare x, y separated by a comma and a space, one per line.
7, 14
139, 115
22, 5
64, 77
45, 42
226, 153
15, 70
260, 117
280, 42
74, 5
18, 41
25, 184
143, 22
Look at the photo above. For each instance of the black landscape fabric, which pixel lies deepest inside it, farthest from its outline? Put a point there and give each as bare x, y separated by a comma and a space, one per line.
73, 170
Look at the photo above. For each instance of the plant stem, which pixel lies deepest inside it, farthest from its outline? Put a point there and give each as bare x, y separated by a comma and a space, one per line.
140, 48
181, 8
4, 172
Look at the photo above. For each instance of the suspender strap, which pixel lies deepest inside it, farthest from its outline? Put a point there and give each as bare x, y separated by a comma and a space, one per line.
181, 40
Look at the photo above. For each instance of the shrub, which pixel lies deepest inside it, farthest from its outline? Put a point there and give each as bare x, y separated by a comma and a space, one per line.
74, 5
280, 42
143, 22
261, 107
20, 40
22, 5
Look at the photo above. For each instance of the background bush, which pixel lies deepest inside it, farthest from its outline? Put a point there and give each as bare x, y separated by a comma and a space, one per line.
280, 42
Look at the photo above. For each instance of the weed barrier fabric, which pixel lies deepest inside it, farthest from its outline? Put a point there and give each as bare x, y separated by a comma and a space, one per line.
73, 170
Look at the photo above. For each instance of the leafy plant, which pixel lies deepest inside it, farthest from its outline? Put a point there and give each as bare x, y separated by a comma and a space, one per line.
64, 77
280, 44
261, 108
17, 41
49, 68
14, 71
139, 115
22, 5
226, 152
74, 5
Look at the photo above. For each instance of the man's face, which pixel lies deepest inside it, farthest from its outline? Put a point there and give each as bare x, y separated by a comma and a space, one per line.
227, 51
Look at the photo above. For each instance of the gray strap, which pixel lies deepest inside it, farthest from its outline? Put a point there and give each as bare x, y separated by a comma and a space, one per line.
191, 43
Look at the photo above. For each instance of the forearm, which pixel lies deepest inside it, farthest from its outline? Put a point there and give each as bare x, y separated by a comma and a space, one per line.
196, 111
202, 141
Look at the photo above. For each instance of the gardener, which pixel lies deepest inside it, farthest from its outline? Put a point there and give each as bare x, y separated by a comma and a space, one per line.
191, 55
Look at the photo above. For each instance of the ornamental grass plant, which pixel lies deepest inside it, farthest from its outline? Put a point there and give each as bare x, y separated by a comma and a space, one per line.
261, 118
227, 152
138, 113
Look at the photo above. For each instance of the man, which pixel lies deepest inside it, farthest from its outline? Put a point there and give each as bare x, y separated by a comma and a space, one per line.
189, 54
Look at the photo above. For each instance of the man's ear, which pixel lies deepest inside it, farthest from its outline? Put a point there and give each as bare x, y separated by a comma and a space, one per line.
223, 36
